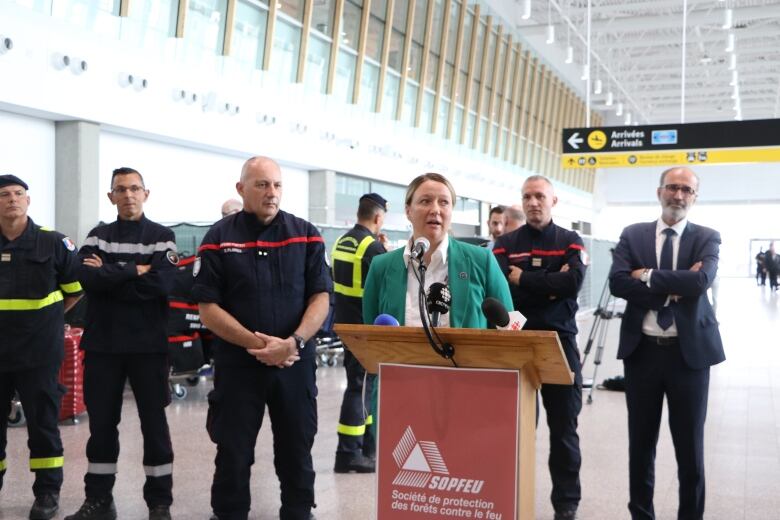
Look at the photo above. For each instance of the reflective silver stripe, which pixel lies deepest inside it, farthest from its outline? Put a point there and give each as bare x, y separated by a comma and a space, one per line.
159, 471
120, 247
101, 468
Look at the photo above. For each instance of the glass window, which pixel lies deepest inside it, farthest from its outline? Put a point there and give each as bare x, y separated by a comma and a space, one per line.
398, 36
348, 193
151, 22
457, 123
447, 81
463, 82
390, 98
344, 82
204, 32
427, 111
474, 101
376, 30
471, 122
420, 16
500, 68
292, 8
395, 218
465, 211
490, 58
317, 58
94, 15
433, 71
41, 6
441, 123
452, 33
249, 27
410, 103
322, 16
287, 46
467, 28
350, 23
368, 86
415, 61
432, 74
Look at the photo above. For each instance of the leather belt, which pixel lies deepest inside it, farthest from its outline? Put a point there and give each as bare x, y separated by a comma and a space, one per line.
661, 340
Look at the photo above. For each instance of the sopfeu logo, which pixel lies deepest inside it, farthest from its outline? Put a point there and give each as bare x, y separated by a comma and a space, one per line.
597, 140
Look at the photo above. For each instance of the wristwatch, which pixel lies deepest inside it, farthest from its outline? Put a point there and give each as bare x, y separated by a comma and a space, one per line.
645, 276
299, 342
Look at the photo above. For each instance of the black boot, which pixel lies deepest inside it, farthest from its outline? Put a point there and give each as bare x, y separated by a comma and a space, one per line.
353, 463
95, 509
45, 506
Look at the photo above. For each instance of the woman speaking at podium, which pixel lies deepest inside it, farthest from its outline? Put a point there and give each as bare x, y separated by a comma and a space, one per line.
470, 273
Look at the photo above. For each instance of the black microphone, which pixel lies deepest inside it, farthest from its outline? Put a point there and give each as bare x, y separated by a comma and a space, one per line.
420, 247
438, 300
498, 317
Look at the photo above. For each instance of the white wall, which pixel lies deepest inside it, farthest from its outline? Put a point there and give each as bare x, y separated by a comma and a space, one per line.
741, 201
186, 184
27, 151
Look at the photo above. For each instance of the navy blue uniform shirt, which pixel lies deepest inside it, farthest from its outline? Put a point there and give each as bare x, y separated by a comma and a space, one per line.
262, 275
546, 296
37, 270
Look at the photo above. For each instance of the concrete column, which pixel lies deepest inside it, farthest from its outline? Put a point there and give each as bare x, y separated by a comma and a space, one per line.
77, 147
322, 197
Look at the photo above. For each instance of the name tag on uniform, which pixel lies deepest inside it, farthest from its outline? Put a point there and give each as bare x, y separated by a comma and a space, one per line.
5, 257
536, 262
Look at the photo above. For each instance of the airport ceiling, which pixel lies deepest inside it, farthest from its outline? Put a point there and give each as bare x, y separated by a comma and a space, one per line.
732, 55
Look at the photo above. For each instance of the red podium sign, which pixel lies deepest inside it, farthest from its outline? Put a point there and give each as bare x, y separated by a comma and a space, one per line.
448, 441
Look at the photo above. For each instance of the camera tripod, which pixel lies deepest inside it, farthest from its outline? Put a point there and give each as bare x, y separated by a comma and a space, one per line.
605, 311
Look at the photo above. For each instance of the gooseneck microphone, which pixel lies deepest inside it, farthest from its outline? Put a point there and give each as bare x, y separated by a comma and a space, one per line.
438, 301
420, 247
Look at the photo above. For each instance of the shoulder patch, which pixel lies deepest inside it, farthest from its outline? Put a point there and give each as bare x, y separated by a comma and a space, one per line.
196, 267
172, 257
69, 245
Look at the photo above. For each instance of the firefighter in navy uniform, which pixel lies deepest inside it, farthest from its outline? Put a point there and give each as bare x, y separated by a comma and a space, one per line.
545, 267
127, 270
264, 289
351, 257
37, 283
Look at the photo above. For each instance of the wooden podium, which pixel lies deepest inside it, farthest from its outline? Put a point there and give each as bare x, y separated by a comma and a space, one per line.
537, 355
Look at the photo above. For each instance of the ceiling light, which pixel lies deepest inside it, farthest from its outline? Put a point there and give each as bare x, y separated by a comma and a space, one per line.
585, 73
728, 18
597, 87
734, 78
732, 61
610, 98
628, 118
569, 54
730, 42
550, 34
619, 111
526, 10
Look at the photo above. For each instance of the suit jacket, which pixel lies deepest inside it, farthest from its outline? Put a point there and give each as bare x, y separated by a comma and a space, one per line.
473, 275
697, 328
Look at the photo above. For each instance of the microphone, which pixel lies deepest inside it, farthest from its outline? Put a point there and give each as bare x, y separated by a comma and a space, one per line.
386, 319
438, 300
497, 315
420, 247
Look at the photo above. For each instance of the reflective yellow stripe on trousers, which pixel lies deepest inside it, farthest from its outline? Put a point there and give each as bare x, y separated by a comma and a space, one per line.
30, 305
3, 465
47, 463
351, 430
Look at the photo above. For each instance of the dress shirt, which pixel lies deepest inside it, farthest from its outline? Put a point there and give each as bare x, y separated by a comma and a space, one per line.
650, 324
435, 272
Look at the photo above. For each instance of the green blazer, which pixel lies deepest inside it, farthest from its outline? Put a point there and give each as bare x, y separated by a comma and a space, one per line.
473, 275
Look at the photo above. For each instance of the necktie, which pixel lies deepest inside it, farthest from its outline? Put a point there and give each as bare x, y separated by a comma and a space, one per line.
665, 316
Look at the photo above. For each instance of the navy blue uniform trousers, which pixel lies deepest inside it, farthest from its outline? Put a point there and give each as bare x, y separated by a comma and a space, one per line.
41, 394
236, 409
104, 384
354, 409
563, 404
651, 372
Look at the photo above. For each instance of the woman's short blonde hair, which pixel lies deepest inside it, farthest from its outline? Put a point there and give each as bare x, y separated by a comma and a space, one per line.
431, 176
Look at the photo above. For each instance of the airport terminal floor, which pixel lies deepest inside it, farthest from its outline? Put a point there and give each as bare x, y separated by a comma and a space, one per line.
742, 440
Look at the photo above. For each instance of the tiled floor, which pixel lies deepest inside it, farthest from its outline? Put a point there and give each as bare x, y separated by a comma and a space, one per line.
742, 443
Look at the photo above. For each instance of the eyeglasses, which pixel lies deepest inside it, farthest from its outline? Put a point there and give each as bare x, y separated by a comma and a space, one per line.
674, 188
121, 190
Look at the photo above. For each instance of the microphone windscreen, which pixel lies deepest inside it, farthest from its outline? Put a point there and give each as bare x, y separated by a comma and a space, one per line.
495, 312
386, 319
439, 298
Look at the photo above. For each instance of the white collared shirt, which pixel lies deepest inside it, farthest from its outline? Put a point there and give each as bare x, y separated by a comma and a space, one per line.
650, 324
435, 272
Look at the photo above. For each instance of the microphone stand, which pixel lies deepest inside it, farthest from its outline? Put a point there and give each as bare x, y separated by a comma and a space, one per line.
445, 350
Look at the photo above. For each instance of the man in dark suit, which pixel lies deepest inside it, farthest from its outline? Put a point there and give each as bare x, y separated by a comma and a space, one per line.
668, 340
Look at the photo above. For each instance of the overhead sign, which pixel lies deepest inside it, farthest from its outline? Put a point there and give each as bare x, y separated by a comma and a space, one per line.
668, 145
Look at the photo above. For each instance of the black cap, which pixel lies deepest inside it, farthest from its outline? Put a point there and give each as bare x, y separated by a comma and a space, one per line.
8, 180
376, 199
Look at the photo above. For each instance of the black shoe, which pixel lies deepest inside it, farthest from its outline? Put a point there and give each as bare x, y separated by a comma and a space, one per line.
357, 463
95, 509
160, 512
568, 514
45, 506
